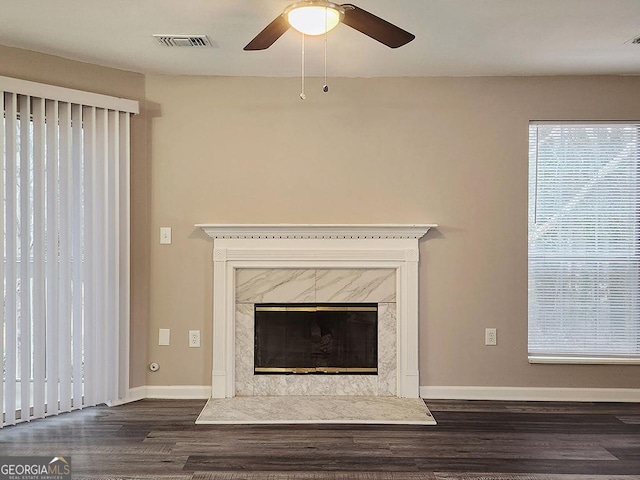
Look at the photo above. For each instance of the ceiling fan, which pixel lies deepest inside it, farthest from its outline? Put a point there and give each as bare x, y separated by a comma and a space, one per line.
328, 15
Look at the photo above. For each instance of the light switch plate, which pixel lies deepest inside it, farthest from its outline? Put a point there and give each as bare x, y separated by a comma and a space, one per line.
164, 336
165, 235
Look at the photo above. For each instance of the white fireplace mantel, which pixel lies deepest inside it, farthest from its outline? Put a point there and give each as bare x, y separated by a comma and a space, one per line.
307, 246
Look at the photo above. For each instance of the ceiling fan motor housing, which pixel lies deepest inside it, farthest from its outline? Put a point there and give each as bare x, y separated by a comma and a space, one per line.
314, 17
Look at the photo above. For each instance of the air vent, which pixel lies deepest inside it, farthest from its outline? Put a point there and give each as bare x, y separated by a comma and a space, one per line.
635, 40
183, 40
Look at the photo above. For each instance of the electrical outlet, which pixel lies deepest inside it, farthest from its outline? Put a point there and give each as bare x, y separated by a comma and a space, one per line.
490, 336
194, 338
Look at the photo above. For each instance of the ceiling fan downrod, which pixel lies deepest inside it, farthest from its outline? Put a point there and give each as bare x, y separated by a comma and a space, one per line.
303, 96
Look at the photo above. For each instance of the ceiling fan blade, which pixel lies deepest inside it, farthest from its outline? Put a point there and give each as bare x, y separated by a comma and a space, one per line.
269, 35
375, 27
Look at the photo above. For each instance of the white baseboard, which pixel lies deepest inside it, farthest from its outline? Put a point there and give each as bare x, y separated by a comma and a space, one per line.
183, 392
133, 395
178, 392
137, 393
532, 394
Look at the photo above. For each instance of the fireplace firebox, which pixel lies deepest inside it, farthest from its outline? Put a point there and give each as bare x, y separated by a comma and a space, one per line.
316, 339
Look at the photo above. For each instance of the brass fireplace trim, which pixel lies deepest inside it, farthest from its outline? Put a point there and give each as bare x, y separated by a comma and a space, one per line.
315, 308
315, 370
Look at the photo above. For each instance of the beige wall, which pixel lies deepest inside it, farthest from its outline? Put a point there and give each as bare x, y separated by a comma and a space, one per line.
53, 70
451, 151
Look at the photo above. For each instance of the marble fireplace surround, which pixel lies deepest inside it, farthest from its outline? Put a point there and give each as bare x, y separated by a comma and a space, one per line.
316, 286
291, 258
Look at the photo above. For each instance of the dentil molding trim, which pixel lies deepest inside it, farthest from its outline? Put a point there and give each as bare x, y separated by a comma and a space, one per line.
318, 231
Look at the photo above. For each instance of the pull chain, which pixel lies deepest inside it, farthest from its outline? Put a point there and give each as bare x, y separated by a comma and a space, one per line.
325, 87
303, 95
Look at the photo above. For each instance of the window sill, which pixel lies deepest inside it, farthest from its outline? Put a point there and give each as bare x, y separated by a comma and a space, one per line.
569, 360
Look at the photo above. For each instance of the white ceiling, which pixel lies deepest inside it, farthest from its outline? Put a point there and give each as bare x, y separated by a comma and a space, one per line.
453, 37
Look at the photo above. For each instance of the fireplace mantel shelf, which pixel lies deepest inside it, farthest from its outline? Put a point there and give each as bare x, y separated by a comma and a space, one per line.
316, 231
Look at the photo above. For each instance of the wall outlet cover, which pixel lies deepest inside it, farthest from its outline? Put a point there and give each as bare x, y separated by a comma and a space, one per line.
490, 336
194, 338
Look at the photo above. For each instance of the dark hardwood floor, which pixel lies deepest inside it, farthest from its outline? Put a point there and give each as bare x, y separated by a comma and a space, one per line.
474, 440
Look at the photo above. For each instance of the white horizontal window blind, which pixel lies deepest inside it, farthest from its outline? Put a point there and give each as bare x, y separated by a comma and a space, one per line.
65, 157
584, 244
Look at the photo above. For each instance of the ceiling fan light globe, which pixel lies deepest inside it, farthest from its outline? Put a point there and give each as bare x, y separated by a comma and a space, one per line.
314, 19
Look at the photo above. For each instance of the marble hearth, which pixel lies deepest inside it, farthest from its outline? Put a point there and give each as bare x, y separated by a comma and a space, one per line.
315, 264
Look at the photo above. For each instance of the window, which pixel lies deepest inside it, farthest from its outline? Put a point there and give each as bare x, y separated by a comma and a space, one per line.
584, 227
65, 218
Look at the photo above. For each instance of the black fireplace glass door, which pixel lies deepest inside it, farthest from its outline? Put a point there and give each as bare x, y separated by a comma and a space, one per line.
303, 338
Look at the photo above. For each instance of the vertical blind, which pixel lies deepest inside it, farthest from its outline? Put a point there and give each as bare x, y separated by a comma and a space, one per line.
584, 225
65, 216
